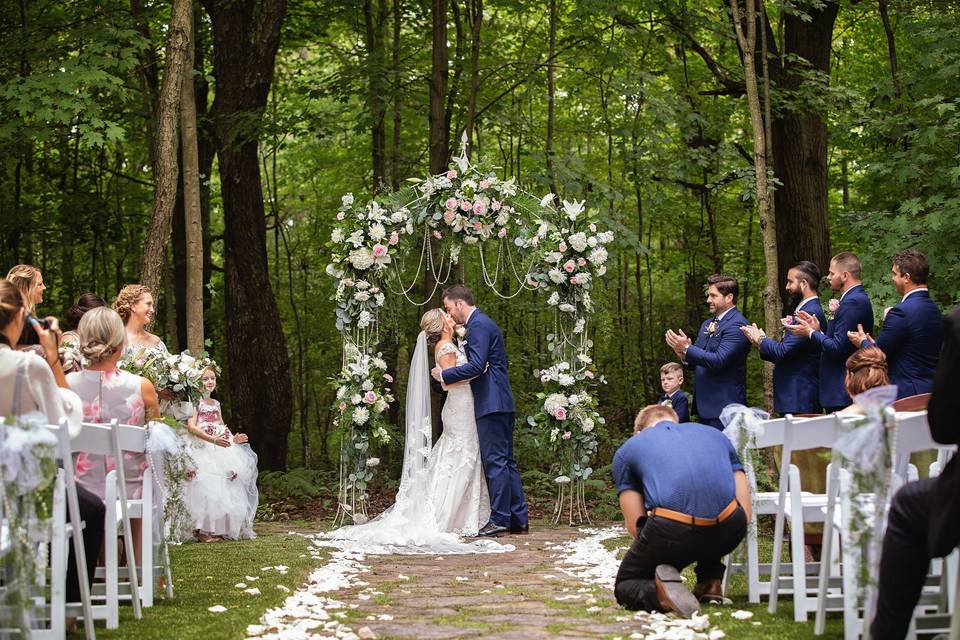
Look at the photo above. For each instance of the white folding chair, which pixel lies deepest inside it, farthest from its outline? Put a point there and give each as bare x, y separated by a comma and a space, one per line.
799, 507
105, 440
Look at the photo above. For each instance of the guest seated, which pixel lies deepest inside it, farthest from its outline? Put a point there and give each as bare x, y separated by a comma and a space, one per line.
70, 340
39, 392
29, 281
866, 369
682, 486
671, 381
924, 520
108, 393
134, 303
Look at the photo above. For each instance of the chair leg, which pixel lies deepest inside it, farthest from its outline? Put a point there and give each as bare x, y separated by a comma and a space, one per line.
58, 562
111, 560
753, 564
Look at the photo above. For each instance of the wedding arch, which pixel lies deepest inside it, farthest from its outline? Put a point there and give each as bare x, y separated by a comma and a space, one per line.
554, 250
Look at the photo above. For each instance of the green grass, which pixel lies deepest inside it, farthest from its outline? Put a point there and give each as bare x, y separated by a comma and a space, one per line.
204, 575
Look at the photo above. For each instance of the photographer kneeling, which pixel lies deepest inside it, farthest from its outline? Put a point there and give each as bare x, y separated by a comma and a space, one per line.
685, 499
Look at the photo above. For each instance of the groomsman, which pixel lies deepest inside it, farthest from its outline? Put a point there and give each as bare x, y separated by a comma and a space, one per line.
719, 356
912, 330
796, 376
853, 309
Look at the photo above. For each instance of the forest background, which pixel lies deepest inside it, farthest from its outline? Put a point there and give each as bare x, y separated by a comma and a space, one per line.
640, 107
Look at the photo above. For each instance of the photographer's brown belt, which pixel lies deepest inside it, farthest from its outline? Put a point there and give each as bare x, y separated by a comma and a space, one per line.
676, 516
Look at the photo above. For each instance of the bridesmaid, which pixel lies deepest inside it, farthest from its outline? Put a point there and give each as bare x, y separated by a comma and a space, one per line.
134, 303
29, 281
108, 393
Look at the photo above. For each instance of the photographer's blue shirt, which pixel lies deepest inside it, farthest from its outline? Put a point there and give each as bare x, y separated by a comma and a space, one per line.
684, 467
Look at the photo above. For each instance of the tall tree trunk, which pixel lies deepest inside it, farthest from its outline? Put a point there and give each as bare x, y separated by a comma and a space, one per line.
551, 97
475, 21
245, 39
191, 203
375, 23
891, 48
439, 126
165, 167
746, 29
397, 111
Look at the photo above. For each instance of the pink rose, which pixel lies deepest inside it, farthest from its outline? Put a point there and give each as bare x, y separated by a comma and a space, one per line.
191, 474
495, 205
581, 262
573, 279
370, 397
484, 184
451, 174
479, 208
562, 247
567, 435
593, 228
451, 203
394, 238
588, 374
449, 216
437, 235
374, 289
340, 215
561, 413
388, 377
502, 233
347, 282
569, 266
833, 305
343, 407
379, 250
477, 226
466, 205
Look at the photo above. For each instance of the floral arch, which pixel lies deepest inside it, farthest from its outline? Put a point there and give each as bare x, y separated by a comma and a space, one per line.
467, 206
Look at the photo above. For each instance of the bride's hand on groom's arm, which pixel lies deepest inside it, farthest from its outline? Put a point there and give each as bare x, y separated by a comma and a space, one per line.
437, 374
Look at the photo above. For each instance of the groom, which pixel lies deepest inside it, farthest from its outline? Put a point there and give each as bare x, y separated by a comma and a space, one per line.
486, 368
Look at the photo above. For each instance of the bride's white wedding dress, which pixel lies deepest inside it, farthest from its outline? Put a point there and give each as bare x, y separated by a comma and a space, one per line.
443, 492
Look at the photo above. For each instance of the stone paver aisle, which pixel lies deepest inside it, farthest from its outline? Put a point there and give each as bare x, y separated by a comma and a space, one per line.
511, 595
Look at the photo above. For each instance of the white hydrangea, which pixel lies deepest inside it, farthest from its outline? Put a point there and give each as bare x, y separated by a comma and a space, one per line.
553, 402
367, 385
587, 425
554, 299
361, 296
347, 200
377, 232
361, 259
592, 241
565, 380
567, 307
356, 398
364, 319
605, 236
361, 415
337, 235
380, 299
578, 241
574, 399
598, 256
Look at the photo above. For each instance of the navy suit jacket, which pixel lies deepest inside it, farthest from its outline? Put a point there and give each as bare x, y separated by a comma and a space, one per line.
911, 337
720, 365
944, 531
835, 346
678, 400
486, 365
796, 376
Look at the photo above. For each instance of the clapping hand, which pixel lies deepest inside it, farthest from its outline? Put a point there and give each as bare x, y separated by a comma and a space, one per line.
753, 333
678, 341
805, 324
857, 337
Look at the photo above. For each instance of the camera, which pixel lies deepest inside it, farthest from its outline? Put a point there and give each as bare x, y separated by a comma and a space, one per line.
38, 322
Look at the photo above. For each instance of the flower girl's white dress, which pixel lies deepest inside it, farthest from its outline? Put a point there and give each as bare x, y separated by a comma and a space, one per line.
221, 497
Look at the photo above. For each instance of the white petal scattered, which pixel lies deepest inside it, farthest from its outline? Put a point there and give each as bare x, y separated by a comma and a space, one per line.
385, 616
486, 591
283, 588
717, 634
364, 633
400, 576
593, 609
217, 608
740, 614
363, 596
757, 624
253, 591
241, 585
462, 579
252, 578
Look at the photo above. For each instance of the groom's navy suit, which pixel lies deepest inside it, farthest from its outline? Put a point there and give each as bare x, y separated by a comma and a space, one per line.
494, 408
719, 361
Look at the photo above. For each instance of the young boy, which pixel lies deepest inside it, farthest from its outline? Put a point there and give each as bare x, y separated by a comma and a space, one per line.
671, 379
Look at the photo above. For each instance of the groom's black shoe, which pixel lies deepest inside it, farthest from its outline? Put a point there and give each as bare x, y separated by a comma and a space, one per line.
492, 530
520, 531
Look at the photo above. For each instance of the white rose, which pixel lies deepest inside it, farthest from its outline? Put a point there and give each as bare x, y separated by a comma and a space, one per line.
363, 284
356, 398
553, 402
553, 256
567, 308
364, 319
578, 241
587, 425
566, 380
592, 241
361, 415
557, 276
367, 385
337, 235
574, 399
380, 299
554, 299
377, 232
361, 296
372, 462
347, 200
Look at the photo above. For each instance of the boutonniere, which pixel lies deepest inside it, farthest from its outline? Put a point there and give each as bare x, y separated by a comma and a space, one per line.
462, 332
712, 328
667, 403
832, 306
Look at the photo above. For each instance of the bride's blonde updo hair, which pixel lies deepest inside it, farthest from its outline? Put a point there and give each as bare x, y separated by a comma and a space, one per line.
433, 323
101, 334
129, 296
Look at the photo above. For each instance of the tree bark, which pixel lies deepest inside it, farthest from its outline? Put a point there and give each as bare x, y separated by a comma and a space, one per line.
891, 48
745, 26
245, 40
165, 168
475, 21
439, 126
551, 97
397, 101
375, 23
191, 203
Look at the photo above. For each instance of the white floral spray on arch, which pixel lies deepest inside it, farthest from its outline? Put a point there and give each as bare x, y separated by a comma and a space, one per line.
561, 253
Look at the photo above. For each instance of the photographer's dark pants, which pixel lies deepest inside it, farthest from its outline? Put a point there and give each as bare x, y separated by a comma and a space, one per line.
662, 541
92, 511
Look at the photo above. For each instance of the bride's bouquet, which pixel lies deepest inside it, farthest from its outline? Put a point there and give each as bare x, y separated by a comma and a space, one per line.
179, 374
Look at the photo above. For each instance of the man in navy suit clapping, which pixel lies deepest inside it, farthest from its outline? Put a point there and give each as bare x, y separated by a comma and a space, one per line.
912, 331
719, 356
854, 309
796, 378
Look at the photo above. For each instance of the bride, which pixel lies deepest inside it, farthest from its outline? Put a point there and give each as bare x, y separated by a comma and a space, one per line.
443, 492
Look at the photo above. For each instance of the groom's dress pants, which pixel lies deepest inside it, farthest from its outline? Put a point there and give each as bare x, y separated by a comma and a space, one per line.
508, 505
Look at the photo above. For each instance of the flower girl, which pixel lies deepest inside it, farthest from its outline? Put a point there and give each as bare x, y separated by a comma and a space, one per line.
221, 497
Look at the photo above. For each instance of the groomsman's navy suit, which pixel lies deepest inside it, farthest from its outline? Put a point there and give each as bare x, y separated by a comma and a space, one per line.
911, 337
679, 403
494, 408
796, 376
835, 346
720, 367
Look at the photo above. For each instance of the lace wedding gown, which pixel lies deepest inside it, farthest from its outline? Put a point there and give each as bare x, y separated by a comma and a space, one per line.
443, 492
